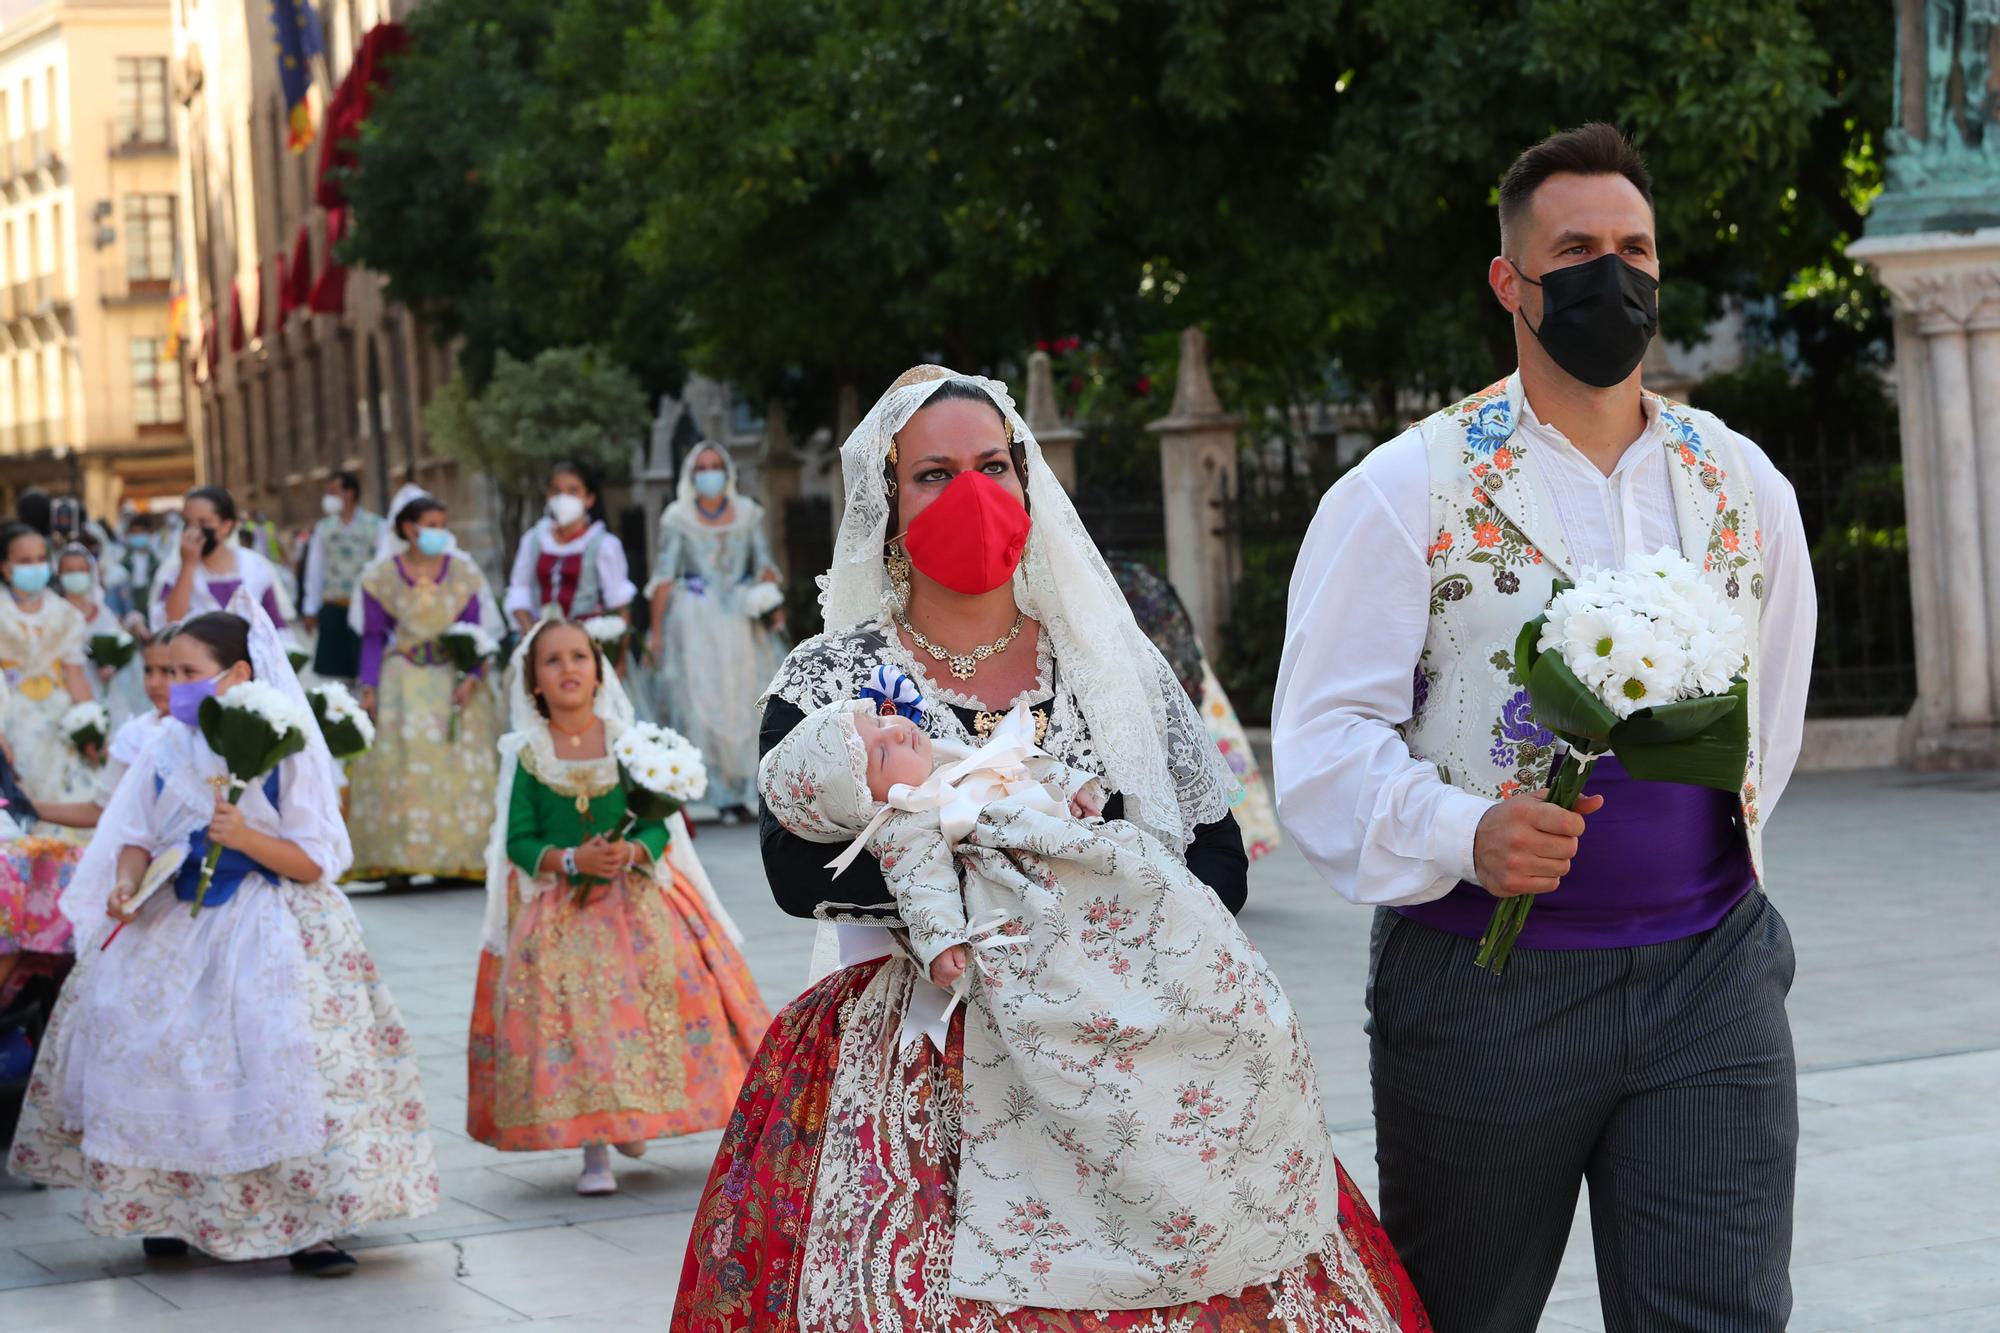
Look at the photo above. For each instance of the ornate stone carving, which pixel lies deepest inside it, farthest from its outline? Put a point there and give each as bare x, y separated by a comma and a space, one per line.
1943, 163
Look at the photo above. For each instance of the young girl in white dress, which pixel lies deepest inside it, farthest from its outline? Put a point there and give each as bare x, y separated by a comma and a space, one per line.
210, 565
42, 643
237, 1080
122, 692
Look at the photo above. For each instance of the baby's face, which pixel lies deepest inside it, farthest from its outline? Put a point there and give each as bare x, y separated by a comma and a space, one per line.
898, 752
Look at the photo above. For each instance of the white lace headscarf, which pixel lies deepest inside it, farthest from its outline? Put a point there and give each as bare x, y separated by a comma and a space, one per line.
186, 801
1153, 745
684, 492
527, 727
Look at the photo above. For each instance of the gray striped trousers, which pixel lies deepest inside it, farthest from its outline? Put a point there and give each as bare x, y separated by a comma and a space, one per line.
1662, 1075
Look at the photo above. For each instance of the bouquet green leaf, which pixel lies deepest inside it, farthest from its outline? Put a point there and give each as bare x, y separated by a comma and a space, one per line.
88, 726
469, 647
343, 722
253, 728
1646, 662
113, 651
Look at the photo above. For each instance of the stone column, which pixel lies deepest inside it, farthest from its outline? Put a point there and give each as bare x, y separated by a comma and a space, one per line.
1057, 438
778, 482
1197, 480
1946, 286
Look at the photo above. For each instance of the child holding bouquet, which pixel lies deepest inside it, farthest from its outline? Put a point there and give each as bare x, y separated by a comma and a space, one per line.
42, 646
420, 796
233, 1077
613, 1005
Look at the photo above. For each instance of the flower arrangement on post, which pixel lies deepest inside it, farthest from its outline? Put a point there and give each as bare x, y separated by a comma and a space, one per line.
343, 722
254, 728
469, 647
88, 727
1646, 662
114, 650
661, 770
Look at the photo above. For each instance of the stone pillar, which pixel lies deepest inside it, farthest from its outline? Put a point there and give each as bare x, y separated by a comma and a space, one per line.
778, 480
1946, 286
1057, 438
1197, 481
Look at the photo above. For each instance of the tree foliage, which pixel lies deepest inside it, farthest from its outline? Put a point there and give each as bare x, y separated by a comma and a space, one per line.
567, 403
797, 194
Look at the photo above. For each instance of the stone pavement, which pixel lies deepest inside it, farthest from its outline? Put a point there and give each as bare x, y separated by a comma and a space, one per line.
1887, 879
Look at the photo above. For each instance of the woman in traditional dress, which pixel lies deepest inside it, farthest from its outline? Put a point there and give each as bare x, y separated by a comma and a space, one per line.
122, 692
831, 1204
205, 571
613, 1004
712, 655
236, 1079
570, 563
42, 653
419, 798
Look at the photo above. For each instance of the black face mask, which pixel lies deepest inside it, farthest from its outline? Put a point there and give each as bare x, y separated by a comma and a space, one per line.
209, 541
1596, 318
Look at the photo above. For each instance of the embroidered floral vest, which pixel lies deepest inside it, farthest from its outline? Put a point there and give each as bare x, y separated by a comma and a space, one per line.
348, 552
1497, 551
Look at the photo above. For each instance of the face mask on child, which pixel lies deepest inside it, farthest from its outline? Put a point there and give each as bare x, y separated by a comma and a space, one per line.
184, 699
29, 579
567, 509
76, 582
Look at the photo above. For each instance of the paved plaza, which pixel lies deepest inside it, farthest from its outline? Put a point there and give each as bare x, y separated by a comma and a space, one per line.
1888, 881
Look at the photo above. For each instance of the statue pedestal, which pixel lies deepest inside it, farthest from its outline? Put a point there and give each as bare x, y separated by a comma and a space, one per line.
1946, 286
1197, 478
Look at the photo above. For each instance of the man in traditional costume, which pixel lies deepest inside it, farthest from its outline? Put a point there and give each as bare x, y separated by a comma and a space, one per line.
1638, 1040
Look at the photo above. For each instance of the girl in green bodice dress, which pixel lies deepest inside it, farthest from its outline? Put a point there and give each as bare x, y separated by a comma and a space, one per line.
613, 1005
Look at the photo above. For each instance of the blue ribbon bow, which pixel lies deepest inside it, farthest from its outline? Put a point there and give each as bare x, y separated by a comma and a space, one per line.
892, 691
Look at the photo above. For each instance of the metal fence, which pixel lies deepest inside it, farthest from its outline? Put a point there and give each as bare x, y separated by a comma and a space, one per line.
1850, 490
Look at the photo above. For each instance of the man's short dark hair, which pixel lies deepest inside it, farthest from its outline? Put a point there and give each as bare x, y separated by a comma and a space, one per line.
349, 482
1595, 149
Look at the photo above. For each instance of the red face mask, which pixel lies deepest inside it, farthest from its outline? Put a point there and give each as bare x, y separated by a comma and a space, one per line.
971, 537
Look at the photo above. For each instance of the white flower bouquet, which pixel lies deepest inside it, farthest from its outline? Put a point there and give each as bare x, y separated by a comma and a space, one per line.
469, 647
88, 726
762, 599
607, 632
661, 770
1647, 662
254, 728
112, 651
295, 651
342, 720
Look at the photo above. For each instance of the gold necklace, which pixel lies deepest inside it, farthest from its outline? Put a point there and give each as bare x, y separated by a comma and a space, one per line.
575, 738
962, 665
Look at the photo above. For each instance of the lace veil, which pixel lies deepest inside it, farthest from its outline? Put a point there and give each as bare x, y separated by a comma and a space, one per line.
1152, 742
528, 729
186, 800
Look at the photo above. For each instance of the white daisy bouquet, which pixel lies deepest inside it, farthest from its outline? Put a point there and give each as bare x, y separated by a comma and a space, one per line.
662, 771
608, 633
88, 726
762, 599
254, 728
1647, 662
113, 650
469, 647
343, 722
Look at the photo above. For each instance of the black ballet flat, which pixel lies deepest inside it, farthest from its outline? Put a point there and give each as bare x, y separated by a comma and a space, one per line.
323, 1263
164, 1247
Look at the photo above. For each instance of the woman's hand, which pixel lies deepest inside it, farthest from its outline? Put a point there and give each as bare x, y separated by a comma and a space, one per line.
226, 827
192, 538
367, 700
459, 696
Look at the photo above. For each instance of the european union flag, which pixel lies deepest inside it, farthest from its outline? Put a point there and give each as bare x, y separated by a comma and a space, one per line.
296, 32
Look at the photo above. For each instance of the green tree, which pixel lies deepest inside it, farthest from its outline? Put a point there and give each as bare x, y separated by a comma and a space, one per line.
567, 403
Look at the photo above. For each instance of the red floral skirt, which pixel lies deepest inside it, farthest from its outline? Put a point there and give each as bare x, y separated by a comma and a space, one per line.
746, 1257
632, 1017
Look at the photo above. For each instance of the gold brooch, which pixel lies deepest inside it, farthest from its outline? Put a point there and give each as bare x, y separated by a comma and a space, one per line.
983, 724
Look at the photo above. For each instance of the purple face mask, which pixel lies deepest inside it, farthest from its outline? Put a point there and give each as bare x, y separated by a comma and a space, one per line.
184, 700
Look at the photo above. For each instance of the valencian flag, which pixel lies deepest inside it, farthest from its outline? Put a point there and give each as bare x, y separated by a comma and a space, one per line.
296, 31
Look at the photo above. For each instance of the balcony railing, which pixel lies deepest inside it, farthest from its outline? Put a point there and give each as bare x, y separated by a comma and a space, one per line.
128, 139
120, 290
21, 300
47, 153
50, 294
27, 436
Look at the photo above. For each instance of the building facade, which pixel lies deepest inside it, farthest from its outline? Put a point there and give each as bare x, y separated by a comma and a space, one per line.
91, 402
297, 368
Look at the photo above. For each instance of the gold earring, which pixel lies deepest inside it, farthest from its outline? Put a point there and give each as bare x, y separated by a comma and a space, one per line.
892, 451
897, 562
